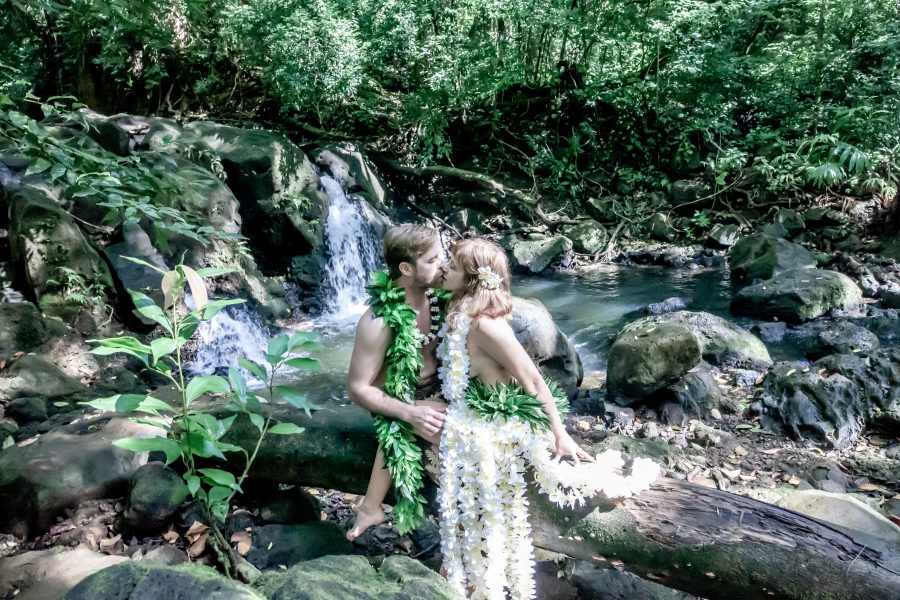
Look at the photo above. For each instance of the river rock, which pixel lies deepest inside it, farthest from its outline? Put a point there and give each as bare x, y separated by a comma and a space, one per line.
588, 236
134, 276
349, 167
49, 574
25, 410
761, 256
646, 359
791, 220
22, 328
698, 393
65, 467
724, 235
722, 343
535, 255
275, 545
353, 577
660, 227
106, 132
666, 306
797, 295
833, 398
35, 375
549, 347
611, 584
687, 190
132, 580
292, 506
155, 494
43, 239
283, 205
821, 338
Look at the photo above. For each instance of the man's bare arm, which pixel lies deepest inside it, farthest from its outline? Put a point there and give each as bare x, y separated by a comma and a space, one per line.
366, 362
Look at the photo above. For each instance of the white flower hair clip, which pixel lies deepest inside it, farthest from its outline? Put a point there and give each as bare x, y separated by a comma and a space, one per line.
491, 280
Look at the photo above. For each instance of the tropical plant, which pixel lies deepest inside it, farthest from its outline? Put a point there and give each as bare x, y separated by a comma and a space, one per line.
190, 434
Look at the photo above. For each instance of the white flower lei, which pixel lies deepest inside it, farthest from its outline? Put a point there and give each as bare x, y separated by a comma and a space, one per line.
485, 534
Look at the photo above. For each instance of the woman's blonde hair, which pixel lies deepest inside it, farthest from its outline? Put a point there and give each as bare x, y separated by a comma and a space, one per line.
475, 298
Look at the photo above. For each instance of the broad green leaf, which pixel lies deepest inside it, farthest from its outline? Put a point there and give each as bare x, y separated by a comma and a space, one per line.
299, 338
213, 307
144, 263
278, 345
168, 286
9, 441
219, 494
291, 396
258, 420
199, 444
286, 429
38, 165
145, 307
213, 272
303, 363
198, 288
130, 403
162, 347
193, 484
238, 383
154, 444
219, 477
204, 385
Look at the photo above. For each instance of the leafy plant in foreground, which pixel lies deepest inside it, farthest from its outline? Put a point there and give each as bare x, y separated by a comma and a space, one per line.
188, 432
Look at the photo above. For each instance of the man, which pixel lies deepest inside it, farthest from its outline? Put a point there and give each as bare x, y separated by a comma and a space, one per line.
415, 262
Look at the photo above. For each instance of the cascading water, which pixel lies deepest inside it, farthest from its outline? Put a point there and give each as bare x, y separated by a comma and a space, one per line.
353, 252
233, 333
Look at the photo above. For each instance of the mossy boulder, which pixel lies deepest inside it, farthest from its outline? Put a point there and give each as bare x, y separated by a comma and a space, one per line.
139, 581
22, 328
44, 239
345, 577
824, 337
276, 545
155, 494
349, 167
644, 360
282, 203
33, 375
797, 295
588, 236
535, 255
760, 256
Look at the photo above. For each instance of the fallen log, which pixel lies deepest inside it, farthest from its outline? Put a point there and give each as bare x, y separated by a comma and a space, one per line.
697, 539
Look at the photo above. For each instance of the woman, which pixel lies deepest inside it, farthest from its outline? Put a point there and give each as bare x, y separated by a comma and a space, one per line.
502, 417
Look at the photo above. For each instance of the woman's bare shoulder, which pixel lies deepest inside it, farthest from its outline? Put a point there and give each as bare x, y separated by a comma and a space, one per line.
492, 327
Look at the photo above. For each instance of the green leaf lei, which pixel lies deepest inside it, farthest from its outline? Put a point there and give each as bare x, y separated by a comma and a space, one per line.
506, 400
403, 456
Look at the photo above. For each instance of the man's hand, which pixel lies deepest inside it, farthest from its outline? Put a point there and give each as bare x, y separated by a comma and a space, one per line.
427, 419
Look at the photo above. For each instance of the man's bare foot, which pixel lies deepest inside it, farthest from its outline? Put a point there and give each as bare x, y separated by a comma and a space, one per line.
365, 518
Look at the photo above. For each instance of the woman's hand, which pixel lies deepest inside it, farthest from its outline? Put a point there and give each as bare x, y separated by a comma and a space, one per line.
566, 446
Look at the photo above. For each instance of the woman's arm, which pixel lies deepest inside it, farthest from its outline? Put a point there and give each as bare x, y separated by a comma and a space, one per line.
495, 338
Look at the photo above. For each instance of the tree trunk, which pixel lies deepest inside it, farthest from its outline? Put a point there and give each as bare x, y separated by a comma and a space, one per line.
700, 540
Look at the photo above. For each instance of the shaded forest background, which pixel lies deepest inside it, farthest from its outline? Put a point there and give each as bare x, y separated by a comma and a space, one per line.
760, 99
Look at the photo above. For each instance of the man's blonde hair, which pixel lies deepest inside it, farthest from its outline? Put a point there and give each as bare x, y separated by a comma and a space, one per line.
406, 243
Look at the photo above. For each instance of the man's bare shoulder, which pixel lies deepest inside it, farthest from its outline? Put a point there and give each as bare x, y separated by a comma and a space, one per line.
371, 327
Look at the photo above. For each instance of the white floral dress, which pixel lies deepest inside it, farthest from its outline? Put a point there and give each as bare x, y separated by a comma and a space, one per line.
485, 534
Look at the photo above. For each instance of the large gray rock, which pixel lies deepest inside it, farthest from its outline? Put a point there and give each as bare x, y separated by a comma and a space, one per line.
43, 239
722, 343
340, 577
49, 574
660, 227
22, 328
760, 256
134, 276
349, 167
588, 236
35, 375
65, 467
724, 235
549, 347
133, 580
831, 400
797, 295
821, 338
275, 545
155, 494
282, 203
646, 359
791, 220
535, 255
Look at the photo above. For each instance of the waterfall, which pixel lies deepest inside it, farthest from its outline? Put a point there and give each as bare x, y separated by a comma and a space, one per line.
353, 249
234, 332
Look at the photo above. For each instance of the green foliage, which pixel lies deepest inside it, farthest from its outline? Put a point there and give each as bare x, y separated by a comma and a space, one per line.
505, 401
132, 188
187, 431
75, 289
